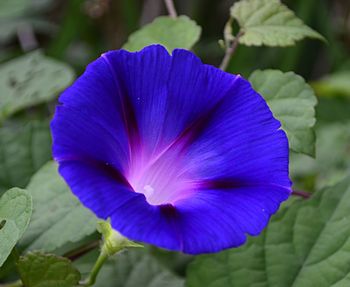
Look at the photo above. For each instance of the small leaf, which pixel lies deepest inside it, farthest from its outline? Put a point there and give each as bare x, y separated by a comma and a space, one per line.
58, 217
292, 101
181, 32
269, 22
307, 244
15, 212
23, 150
47, 270
132, 268
30, 80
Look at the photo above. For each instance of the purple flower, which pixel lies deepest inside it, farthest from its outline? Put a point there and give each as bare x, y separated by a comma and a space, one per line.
177, 153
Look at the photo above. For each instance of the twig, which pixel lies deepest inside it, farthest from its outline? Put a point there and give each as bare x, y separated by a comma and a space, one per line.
171, 8
230, 49
77, 253
302, 194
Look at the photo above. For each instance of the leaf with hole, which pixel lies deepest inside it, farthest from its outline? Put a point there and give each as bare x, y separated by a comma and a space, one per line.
306, 244
58, 217
181, 32
269, 22
15, 212
47, 270
293, 102
30, 80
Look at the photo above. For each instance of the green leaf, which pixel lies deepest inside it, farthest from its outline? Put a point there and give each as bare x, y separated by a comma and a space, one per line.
23, 150
337, 84
22, 13
332, 160
292, 101
181, 32
47, 270
58, 217
15, 212
307, 244
132, 268
269, 22
30, 80
17, 8
13, 8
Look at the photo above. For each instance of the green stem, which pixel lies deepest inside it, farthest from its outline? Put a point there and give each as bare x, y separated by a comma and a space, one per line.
96, 269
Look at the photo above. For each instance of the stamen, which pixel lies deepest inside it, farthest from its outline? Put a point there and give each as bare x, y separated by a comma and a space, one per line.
148, 190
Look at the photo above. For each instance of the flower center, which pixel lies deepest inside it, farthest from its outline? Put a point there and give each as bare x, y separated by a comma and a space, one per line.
163, 181
148, 190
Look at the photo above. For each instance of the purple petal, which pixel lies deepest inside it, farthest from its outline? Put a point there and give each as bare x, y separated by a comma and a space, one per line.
101, 189
88, 123
142, 78
249, 146
218, 219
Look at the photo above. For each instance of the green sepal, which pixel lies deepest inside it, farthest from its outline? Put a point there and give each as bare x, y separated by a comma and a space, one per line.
113, 241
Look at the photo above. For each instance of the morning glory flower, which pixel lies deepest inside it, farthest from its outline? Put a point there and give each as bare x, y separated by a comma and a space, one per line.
176, 153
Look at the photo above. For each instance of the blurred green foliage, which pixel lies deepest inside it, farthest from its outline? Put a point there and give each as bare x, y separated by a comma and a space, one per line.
74, 32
